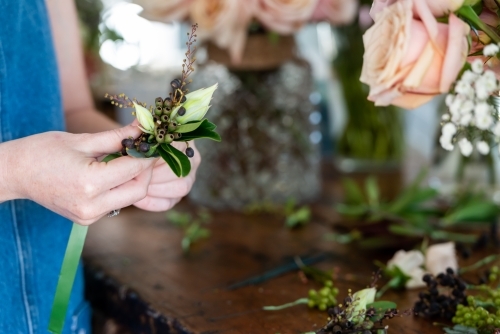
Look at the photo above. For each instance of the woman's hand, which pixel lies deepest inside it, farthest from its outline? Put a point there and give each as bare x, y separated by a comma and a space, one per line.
166, 189
61, 171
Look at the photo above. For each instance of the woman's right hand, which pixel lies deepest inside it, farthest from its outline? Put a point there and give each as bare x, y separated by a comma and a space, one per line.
61, 172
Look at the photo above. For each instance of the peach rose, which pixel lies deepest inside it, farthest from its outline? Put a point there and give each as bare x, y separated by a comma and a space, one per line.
284, 16
438, 8
224, 22
402, 64
338, 12
165, 10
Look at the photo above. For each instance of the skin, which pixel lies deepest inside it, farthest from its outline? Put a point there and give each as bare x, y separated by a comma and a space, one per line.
61, 170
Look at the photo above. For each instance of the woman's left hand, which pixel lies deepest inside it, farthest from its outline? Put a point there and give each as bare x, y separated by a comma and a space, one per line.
166, 189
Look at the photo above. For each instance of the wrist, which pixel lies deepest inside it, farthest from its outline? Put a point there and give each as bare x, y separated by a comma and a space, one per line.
8, 171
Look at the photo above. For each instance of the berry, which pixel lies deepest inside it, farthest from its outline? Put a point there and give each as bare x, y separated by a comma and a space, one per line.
184, 98
181, 111
176, 84
128, 143
144, 147
159, 101
190, 152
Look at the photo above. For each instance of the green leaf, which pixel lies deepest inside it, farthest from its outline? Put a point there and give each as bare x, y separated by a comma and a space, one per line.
299, 217
112, 156
205, 130
472, 212
134, 153
380, 308
372, 191
174, 164
188, 127
208, 125
452, 236
409, 231
152, 151
352, 192
459, 329
352, 210
411, 198
180, 157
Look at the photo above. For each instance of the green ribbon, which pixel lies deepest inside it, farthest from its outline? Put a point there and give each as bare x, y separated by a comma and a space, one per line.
67, 277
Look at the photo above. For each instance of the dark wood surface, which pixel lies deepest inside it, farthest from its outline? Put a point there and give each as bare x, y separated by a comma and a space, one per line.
138, 274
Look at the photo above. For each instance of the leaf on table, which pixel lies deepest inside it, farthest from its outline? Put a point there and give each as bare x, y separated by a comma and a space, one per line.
352, 192
352, 210
472, 212
372, 191
459, 329
298, 217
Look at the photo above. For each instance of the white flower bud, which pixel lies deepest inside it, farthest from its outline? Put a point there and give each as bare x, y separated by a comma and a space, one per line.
477, 66
483, 147
449, 129
196, 105
465, 147
145, 119
491, 50
359, 301
440, 257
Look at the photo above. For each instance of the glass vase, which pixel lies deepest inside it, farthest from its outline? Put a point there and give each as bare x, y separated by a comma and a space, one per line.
269, 151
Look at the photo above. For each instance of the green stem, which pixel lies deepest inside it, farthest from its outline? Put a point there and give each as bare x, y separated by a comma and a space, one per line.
470, 15
66, 278
479, 264
287, 305
492, 178
386, 287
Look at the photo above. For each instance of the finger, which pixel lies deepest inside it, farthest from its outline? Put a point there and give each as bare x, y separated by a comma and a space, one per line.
155, 204
127, 193
162, 173
119, 171
98, 144
173, 189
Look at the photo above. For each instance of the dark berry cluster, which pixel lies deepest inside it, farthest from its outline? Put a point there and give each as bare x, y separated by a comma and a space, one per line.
444, 293
341, 318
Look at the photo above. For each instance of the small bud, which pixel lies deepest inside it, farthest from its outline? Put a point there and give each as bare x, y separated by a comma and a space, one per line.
159, 102
190, 152
128, 143
177, 135
169, 138
145, 118
176, 84
181, 111
164, 118
172, 127
167, 111
167, 103
162, 132
158, 111
144, 147
160, 138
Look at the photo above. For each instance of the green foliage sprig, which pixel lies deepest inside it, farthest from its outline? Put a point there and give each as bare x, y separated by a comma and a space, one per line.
192, 226
418, 212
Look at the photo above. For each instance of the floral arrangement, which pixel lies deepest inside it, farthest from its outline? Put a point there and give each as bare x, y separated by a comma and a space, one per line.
226, 22
419, 49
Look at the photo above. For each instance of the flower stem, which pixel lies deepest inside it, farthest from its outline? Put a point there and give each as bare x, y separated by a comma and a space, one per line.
287, 305
470, 15
480, 263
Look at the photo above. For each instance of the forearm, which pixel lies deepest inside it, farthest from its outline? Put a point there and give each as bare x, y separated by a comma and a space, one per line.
9, 170
88, 121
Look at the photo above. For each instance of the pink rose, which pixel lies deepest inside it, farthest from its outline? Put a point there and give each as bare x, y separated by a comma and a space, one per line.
284, 16
165, 10
338, 12
224, 22
438, 8
403, 65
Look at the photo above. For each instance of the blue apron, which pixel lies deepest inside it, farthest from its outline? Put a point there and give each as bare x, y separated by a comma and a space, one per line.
32, 238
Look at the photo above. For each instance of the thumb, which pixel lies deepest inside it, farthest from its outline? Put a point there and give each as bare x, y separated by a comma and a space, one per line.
110, 141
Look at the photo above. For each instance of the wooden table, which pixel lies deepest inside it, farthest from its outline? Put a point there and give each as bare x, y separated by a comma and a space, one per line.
138, 274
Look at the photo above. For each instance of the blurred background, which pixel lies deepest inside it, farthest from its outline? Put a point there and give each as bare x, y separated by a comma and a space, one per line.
289, 96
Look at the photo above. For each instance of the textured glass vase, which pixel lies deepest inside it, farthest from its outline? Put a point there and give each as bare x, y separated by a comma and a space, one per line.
262, 110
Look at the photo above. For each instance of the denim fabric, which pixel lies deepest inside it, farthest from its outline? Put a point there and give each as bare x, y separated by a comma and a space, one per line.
32, 239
